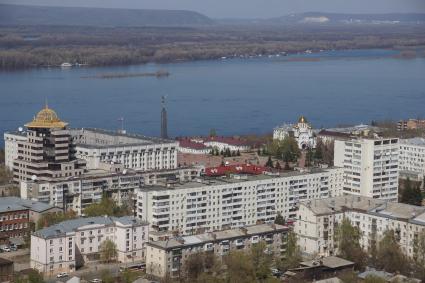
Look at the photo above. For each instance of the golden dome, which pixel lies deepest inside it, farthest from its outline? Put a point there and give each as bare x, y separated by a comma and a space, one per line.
302, 119
46, 118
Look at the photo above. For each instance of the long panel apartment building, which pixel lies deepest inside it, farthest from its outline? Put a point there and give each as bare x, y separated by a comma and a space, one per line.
412, 158
231, 202
317, 220
370, 167
167, 258
66, 246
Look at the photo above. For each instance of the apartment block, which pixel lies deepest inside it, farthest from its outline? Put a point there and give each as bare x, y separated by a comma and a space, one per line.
370, 167
317, 221
412, 158
133, 151
167, 258
211, 204
66, 246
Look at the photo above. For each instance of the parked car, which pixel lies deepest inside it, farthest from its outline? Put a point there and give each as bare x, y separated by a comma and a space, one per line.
13, 247
96, 280
276, 272
7, 249
62, 275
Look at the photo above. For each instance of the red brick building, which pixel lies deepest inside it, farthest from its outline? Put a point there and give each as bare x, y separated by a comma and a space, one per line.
14, 222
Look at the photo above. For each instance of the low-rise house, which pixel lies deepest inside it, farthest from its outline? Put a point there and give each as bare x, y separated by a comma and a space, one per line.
70, 244
16, 215
167, 258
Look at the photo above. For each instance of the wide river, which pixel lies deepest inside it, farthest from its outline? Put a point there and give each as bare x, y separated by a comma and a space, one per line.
237, 96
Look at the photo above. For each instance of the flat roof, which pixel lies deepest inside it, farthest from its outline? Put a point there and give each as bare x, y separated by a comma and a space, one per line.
330, 261
413, 141
223, 180
222, 235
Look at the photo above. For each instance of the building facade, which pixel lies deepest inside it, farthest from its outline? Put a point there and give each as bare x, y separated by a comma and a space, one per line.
133, 151
412, 158
211, 204
370, 167
317, 221
167, 258
66, 246
16, 215
302, 132
44, 151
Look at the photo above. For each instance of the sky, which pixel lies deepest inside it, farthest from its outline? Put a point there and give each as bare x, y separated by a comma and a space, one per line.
246, 8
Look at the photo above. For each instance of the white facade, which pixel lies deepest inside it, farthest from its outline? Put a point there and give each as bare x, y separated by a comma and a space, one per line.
223, 203
317, 220
11, 147
68, 245
132, 151
412, 157
302, 132
370, 167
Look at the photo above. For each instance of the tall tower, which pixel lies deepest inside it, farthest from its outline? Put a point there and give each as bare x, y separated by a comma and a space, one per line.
164, 130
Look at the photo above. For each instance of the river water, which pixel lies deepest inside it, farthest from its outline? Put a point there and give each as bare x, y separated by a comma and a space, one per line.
236, 96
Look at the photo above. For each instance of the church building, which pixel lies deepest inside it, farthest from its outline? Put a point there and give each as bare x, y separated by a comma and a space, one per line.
302, 132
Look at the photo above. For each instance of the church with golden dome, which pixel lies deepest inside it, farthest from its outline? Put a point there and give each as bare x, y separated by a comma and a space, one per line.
46, 119
302, 132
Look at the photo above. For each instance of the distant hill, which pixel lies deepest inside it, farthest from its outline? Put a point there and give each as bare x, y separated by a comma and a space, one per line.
70, 16
335, 18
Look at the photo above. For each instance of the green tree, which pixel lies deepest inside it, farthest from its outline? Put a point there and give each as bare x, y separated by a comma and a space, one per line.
390, 257
318, 153
213, 133
292, 256
35, 277
411, 194
239, 267
193, 267
280, 220
419, 256
277, 166
108, 251
348, 239
107, 206
269, 162
106, 276
52, 218
261, 260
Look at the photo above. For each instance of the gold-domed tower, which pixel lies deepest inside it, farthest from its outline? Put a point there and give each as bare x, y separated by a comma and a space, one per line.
47, 119
48, 152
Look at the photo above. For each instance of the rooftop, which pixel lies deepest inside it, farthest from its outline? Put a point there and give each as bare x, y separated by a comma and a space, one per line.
186, 241
215, 181
46, 118
74, 225
330, 261
399, 211
15, 203
413, 141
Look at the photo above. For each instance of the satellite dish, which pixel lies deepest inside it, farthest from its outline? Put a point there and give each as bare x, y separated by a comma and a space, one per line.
33, 177
125, 171
20, 129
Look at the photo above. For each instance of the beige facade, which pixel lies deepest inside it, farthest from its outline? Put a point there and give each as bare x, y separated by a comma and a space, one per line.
66, 246
167, 258
317, 220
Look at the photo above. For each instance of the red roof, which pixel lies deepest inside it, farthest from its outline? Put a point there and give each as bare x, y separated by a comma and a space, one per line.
236, 169
227, 140
190, 144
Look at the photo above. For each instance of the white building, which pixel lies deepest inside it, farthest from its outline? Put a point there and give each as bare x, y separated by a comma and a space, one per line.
222, 203
317, 220
189, 146
167, 258
89, 188
370, 167
412, 158
302, 132
66, 246
133, 151
11, 146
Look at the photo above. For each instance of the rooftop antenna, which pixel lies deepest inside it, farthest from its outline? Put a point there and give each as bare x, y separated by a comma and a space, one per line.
46, 105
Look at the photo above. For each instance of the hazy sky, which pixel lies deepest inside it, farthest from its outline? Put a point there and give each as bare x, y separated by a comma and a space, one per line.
247, 8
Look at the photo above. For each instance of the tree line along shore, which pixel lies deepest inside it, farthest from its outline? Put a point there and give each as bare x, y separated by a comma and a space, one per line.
30, 47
